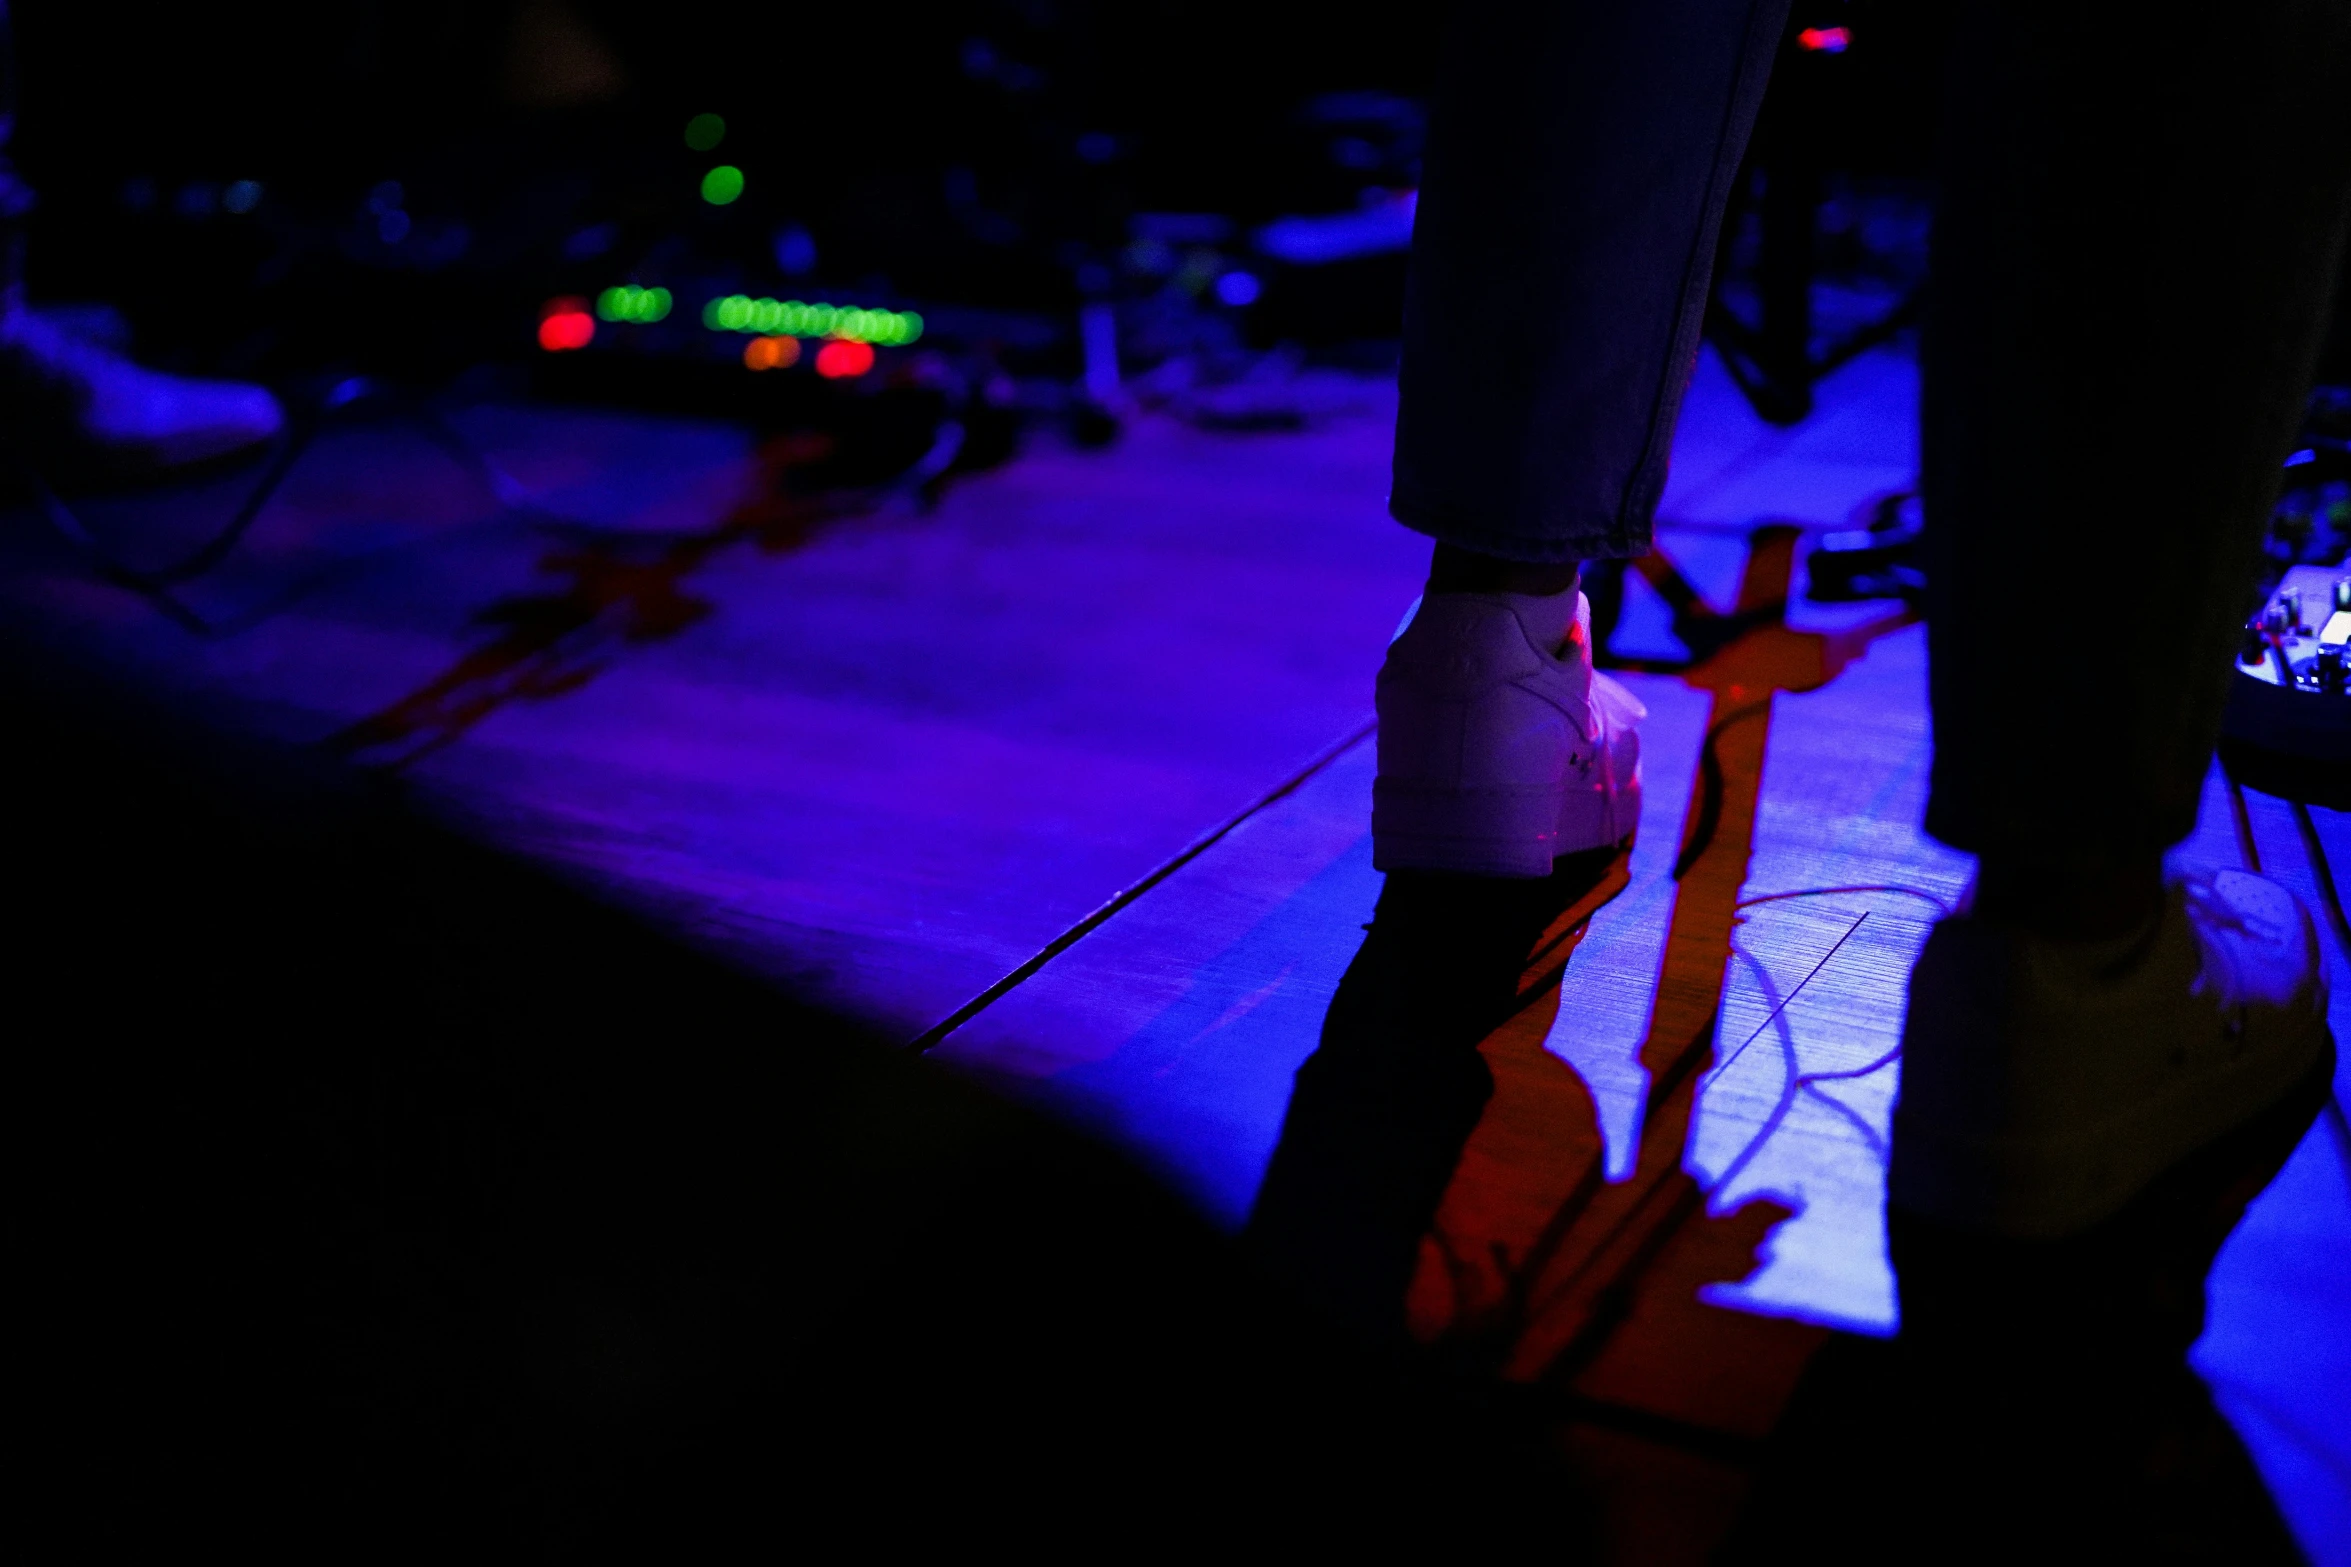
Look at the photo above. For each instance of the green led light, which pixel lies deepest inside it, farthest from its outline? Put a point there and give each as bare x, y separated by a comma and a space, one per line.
766, 317
705, 131
722, 185
626, 302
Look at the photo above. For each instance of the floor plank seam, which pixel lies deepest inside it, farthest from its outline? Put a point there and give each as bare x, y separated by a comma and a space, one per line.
1127, 895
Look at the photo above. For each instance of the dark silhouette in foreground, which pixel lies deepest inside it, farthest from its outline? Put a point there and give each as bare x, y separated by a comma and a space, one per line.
378, 1193
2038, 1404
1384, 1106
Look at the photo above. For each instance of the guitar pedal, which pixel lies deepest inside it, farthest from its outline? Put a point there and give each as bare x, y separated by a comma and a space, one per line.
2287, 727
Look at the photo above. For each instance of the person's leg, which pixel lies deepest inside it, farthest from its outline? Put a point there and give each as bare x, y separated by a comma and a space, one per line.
2139, 230
2137, 239
1580, 159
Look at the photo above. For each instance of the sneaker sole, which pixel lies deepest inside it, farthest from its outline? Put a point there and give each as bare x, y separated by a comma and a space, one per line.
1491, 832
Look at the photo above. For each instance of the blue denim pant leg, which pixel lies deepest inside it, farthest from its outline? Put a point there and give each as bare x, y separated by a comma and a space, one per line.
1580, 159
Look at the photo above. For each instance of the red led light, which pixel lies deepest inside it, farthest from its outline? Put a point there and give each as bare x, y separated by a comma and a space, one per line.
839, 359
1825, 40
565, 323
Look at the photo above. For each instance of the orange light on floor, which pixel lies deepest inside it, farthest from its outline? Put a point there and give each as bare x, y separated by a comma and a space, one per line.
841, 359
565, 323
771, 353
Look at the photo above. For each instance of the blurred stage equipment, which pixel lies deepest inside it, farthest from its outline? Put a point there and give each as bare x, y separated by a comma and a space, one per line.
2287, 727
1823, 250
1880, 559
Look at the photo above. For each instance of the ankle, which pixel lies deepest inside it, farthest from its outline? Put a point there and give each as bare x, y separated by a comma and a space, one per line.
2092, 902
1456, 570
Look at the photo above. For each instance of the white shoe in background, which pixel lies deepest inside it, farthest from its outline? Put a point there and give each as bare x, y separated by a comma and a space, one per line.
87, 407
2045, 1083
1500, 748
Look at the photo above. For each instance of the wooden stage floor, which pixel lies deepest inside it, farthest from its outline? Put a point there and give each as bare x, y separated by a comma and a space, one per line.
1068, 779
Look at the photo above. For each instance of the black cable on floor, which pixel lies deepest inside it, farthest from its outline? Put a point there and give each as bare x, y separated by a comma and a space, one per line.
284, 450
155, 584
2322, 873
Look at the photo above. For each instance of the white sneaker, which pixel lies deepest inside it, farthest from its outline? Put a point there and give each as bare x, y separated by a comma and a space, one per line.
121, 416
1501, 748
2044, 1083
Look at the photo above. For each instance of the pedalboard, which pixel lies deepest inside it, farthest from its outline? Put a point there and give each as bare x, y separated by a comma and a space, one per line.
2287, 727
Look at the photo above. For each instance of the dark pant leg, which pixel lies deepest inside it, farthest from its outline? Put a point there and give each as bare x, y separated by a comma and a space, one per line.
1580, 158
2141, 221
